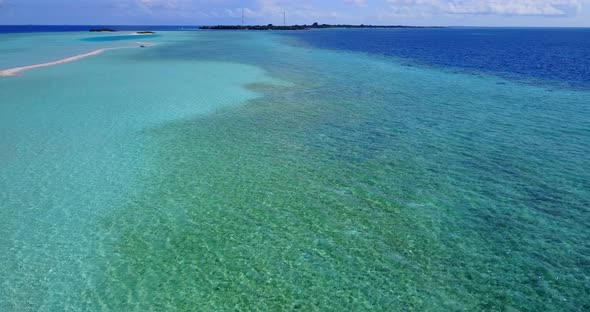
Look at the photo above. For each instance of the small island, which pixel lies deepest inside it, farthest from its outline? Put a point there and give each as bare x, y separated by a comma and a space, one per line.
303, 27
102, 30
145, 32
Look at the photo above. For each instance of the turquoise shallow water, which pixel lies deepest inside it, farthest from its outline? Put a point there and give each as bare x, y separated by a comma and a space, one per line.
251, 171
28, 49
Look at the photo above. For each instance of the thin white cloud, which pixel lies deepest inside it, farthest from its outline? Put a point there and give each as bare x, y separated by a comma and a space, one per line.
492, 7
522, 7
359, 3
295, 10
158, 4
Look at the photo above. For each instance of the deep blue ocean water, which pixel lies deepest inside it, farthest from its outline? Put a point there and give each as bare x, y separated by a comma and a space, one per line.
553, 55
548, 54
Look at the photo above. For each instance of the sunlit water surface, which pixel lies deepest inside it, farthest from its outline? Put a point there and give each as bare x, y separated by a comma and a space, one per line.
224, 171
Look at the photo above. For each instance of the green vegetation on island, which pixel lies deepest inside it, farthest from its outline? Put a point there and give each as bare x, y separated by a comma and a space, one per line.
303, 27
102, 30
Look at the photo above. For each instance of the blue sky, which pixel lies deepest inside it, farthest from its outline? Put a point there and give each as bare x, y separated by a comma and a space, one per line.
570, 13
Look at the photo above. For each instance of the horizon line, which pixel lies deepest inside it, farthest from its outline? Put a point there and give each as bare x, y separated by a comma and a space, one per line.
198, 25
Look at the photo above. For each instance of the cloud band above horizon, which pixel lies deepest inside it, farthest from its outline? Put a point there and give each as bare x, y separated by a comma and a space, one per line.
193, 12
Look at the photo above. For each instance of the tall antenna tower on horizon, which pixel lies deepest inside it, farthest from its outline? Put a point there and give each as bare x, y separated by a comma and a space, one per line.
284, 18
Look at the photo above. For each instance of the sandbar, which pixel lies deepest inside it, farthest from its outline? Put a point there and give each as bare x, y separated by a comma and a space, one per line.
19, 70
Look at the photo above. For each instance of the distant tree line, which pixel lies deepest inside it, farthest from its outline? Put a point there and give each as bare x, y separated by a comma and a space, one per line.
102, 30
301, 27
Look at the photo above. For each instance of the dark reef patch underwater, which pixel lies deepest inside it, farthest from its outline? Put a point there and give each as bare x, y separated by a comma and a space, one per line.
559, 56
